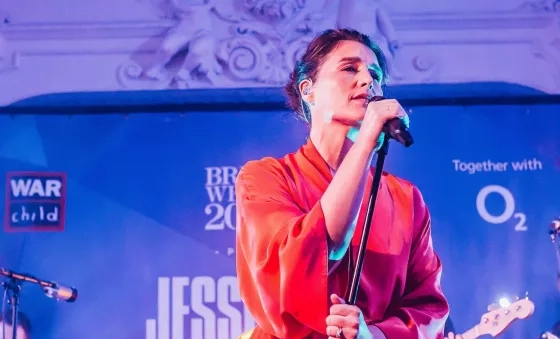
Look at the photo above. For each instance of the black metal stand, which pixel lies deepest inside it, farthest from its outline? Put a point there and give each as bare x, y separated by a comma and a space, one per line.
13, 287
554, 233
51, 289
381, 153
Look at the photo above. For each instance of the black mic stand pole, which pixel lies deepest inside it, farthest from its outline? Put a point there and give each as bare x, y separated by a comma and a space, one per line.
14, 287
381, 153
554, 233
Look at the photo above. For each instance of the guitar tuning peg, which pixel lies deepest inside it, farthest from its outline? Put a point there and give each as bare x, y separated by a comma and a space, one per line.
493, 307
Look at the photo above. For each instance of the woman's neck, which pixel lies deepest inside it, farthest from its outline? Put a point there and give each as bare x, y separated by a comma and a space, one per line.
331, 142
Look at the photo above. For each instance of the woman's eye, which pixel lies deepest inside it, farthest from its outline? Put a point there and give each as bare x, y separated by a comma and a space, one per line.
350, 69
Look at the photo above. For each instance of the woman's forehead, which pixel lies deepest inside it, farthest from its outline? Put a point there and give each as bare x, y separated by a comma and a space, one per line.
351, 52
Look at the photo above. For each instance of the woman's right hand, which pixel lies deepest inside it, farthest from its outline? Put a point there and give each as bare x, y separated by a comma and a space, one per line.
377, 114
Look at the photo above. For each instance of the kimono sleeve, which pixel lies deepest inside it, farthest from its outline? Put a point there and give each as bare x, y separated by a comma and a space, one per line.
423, 309
281, 254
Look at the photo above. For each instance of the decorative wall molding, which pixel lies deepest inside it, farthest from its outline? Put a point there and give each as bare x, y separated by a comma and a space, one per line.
401, 22
254, 43
9, 59
541, 6
88, 30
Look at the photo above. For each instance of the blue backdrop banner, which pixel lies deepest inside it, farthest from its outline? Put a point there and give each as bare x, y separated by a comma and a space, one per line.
138, 213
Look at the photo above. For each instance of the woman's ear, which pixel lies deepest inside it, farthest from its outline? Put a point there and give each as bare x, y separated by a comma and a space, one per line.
305, 88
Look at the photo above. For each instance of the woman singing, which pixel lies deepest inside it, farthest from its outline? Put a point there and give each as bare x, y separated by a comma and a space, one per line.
299, 217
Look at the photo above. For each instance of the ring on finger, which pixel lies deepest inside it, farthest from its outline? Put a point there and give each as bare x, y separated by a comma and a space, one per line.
339, 333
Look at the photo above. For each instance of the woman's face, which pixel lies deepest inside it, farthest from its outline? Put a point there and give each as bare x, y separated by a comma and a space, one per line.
349, 77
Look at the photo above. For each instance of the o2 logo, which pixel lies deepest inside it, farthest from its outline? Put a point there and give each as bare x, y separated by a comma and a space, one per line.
509, 210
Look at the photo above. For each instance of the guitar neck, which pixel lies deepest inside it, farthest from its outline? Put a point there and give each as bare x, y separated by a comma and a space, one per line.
473, 333
499, 318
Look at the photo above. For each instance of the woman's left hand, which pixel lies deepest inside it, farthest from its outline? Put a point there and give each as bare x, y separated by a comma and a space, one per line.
346, 321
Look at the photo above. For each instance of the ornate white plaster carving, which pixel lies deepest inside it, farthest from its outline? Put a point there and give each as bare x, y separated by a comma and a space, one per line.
265, 46
192, 31
547, 46
251, 43
542, 5
258, 43
9, 59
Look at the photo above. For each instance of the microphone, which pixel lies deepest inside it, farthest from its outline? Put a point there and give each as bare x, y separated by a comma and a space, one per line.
62, 293
396, 128
51, 289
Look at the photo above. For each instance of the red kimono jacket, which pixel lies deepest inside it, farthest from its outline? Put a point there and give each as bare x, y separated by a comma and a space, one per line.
282, 256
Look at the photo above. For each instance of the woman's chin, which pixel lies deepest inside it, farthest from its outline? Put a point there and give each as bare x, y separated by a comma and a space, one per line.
357, 116
352, 120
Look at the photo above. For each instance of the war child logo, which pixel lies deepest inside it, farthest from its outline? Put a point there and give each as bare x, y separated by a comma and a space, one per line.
35, 201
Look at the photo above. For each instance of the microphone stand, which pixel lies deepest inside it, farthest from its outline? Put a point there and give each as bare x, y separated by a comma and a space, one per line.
554, 233
13, 286
381, 154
